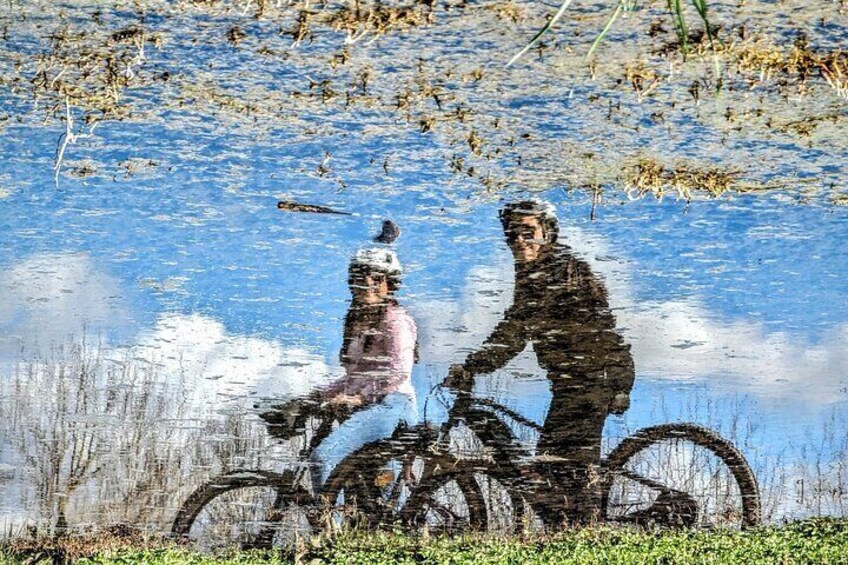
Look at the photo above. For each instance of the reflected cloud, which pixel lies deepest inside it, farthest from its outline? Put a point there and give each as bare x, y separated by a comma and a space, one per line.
49, 297
52, 295
682, 340
227, 370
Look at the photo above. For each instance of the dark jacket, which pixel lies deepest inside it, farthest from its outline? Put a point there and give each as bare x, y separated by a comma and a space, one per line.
562, 308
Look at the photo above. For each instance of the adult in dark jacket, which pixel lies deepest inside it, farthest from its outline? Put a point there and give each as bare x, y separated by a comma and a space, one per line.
561, 307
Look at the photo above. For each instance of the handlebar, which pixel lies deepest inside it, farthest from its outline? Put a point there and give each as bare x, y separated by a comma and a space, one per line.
465, 399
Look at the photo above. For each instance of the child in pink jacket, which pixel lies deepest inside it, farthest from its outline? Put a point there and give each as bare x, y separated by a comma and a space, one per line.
378, 352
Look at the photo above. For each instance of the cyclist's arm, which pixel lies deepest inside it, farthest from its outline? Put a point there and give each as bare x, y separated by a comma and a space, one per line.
505, 342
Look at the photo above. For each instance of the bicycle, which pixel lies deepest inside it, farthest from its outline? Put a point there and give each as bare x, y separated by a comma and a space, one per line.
472, 473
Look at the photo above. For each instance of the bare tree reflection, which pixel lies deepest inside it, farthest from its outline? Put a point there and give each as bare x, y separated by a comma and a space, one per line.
98, 440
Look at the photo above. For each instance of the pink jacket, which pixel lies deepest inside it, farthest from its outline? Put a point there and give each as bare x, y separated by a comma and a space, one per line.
379, 361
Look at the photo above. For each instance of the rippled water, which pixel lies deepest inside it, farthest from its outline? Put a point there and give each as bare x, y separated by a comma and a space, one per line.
160, 317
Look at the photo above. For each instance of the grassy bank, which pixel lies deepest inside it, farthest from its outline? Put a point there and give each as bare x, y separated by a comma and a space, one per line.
812, 541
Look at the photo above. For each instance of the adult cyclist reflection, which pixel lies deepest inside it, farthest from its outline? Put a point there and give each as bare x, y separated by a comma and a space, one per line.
560, 307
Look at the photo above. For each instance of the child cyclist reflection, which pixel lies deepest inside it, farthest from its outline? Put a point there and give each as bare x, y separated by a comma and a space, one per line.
378, 351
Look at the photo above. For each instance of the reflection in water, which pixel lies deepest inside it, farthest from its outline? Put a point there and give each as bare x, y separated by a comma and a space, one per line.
472, 472
560, 307
165, 428
733, 295
378, 352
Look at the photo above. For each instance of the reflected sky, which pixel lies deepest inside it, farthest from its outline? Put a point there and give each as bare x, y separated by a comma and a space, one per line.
173, 256
729, 306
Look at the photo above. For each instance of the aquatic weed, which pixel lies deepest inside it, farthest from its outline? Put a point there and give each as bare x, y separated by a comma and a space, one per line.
675, 10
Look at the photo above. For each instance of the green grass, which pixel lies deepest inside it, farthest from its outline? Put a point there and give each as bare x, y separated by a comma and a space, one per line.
811, 541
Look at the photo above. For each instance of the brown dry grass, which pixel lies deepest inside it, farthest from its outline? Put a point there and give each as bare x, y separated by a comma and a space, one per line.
36, 548
648, 176
379, 19
93, 72
799, 63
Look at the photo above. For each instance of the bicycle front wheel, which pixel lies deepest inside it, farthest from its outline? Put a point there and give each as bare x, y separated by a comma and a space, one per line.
391, 484
248, 510
680, 475
448, 502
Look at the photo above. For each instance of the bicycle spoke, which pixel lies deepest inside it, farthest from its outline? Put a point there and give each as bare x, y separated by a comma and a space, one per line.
250, 510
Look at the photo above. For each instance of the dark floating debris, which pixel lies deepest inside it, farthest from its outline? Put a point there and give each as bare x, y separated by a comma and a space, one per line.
235, 35
389, 233
310, 208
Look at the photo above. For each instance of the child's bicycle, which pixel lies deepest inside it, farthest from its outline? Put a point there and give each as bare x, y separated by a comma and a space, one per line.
472, 473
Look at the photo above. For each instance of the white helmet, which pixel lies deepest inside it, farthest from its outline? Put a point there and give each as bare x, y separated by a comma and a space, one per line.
379, 259
542, 209
532, 207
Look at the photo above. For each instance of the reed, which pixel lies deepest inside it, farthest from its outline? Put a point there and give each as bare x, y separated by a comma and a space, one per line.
676, 12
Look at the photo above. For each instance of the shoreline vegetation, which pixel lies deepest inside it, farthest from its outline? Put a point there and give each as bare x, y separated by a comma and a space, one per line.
751, 75
819, 540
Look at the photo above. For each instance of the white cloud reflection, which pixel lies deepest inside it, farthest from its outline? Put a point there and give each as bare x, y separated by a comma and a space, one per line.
49, 296
223, 370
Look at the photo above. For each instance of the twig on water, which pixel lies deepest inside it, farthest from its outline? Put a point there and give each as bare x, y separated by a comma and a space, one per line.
289, 206
64, 139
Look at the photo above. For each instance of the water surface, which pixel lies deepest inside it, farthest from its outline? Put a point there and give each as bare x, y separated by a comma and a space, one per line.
156, 301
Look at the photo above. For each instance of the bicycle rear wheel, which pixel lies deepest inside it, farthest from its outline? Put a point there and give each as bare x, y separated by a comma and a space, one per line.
680, 475
246, 509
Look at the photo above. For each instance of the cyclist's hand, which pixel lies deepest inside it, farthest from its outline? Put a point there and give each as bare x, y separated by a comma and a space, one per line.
460, 379
620, 404
346, 400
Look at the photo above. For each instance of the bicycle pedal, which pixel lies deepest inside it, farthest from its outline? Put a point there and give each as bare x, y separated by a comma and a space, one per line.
384, 478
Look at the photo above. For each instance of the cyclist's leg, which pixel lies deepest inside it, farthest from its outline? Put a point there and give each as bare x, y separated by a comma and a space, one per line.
365, 426
571, 438
570, 492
